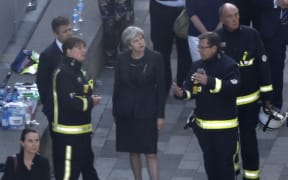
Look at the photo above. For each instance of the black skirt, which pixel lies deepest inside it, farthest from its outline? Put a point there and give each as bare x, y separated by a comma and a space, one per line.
136, 135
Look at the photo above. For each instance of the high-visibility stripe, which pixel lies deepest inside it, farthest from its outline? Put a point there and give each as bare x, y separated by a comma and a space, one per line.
247, 62
217, 124
218, 86
266, 88
188, 95
236, 158
91, 83
67, 163
249, 174
247, 99
55, 97
80, 129
84, 101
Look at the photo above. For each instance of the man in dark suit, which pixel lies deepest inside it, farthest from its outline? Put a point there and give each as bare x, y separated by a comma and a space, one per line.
49, 60
274, 30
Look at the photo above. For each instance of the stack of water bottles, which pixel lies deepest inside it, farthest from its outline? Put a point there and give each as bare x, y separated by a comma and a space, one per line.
77, 17
16, 107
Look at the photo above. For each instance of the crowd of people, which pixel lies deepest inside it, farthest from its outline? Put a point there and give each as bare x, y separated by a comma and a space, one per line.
231, 63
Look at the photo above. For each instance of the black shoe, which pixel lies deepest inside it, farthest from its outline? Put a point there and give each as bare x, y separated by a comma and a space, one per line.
109, 65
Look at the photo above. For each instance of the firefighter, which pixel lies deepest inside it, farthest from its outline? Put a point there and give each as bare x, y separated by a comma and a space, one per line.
73, 102
214, 83
244, 45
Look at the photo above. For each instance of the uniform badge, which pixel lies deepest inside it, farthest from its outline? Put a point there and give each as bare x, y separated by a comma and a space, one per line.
234, 81
264, 58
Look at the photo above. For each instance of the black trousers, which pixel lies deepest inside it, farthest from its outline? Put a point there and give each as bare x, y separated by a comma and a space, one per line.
248, 120
219, 150
72, 155
162, 19
276, 50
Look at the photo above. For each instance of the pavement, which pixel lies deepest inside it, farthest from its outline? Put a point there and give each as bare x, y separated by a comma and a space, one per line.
179, 154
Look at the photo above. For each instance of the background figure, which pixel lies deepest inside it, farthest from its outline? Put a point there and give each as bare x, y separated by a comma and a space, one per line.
248, 13
162, 17
244, 45
274, 30
214, 83
27, 164
139, 102
204, 17
73, 103
49, 60
116, 16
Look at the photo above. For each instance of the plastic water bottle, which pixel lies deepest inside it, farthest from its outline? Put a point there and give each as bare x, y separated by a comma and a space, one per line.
9, 94
15, 94
80, 7
75, 20
5, 118
29, 109
2, 93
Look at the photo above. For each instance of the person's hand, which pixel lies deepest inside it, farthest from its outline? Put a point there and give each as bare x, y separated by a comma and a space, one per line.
160, 123
96, 99
200, 78
177, 91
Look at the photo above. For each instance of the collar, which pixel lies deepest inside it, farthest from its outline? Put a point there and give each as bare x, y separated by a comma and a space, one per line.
72, 63
59, 44
231, 32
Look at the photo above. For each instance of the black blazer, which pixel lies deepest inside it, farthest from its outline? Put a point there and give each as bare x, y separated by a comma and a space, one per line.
145, 99
49, 60
39, 170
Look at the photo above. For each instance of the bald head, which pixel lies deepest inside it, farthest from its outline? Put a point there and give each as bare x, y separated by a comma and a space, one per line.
229, 16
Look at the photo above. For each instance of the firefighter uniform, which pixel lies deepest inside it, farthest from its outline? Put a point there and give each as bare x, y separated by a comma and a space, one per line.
245, 46
72, 123
216, 119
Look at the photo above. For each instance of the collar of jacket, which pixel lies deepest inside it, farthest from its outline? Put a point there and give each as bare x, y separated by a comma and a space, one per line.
232, 33
213, 59
72, 63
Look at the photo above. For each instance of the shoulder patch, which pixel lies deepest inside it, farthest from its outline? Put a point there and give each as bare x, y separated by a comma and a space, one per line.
264, 58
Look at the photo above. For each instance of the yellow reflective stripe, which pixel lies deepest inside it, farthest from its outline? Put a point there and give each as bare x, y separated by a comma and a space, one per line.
84, 101
67, 168
91, 83
241, 100
188, 95
217, 124
251, 174
72, 129
247, 63
266, 88
55, 97
218, 86
236, 158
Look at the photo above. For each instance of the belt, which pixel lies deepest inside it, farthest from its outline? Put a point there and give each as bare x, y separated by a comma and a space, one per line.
73, 129
217, 124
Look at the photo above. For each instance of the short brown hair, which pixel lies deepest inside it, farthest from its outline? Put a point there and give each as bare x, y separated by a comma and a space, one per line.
71, 43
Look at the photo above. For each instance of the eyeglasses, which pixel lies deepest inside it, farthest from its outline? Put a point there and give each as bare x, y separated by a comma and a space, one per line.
204, 47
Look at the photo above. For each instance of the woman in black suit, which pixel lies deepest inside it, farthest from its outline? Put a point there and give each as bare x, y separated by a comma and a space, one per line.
27, 164
139, 101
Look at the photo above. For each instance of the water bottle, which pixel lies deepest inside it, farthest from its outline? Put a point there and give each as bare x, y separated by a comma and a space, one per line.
5, 118
2, 93
29, 109
15, 94
75, 21
9, 94
80, 7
